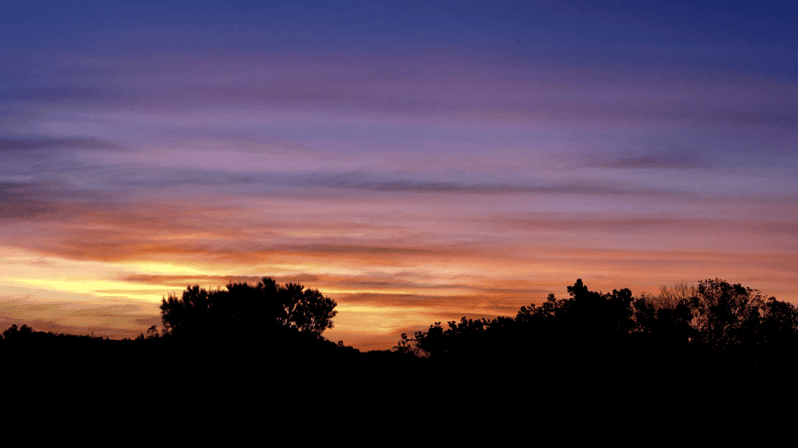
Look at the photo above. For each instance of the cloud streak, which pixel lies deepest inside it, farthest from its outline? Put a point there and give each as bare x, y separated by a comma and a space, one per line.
115, 318
53, 143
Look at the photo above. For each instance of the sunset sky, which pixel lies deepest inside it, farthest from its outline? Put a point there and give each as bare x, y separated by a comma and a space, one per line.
415, 161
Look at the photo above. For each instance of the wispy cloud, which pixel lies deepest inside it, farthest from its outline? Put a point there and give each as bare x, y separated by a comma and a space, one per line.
57, 95
596, 223
55, 143
25, 201
114, 318
669, 158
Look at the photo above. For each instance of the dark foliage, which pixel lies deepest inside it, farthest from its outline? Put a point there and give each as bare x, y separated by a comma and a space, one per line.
715, 322
266, 340
246, 310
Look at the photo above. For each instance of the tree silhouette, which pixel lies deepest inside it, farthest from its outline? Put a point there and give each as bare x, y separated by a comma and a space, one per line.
726, 315
14, 333
262, 308
689, 326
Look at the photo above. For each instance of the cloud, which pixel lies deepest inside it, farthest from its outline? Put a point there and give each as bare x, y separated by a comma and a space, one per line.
383, 182
114, 318
368, 281
352, 249
8, 144
58, 95
25, 201
248, 183
208, 281
217, 245
667, 160
565, 222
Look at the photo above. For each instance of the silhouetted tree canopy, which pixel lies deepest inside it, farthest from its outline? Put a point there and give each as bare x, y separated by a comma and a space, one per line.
14, 333
710, 324
684, 322
252, 309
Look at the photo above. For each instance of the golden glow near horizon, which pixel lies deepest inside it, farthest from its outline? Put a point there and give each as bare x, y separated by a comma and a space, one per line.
380, 299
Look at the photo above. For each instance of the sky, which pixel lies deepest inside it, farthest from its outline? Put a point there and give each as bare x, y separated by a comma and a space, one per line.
418, 162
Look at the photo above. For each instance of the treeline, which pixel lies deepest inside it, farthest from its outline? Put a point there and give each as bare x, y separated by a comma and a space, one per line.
713, 322
241, 328
25, 336
710, 322
263, 343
